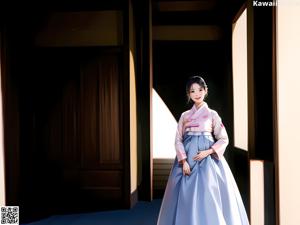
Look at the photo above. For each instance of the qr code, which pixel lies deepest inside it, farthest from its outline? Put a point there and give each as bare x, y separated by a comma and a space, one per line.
9, 215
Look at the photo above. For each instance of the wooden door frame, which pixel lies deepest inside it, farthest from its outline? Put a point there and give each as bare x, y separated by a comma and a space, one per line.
275, 114
144, 98
261, 28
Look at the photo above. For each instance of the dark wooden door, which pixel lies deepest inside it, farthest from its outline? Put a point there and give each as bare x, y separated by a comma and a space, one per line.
71, 127
100, 151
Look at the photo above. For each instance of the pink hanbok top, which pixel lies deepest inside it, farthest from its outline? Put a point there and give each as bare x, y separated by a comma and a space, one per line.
203, 119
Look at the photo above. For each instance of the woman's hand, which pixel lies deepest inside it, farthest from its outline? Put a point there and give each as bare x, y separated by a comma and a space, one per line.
203, 154
186, 168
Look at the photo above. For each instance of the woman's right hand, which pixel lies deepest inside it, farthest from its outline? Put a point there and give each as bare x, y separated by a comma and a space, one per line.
186, 168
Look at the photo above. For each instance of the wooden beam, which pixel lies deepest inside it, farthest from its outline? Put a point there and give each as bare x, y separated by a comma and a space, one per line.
186, 5
185, 33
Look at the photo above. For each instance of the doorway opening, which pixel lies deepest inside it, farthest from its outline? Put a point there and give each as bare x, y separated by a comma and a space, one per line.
164, 127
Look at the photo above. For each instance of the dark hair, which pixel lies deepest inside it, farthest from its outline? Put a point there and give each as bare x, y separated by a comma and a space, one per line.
195, 79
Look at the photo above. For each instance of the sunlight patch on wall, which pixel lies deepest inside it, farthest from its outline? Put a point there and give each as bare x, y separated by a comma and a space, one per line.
164, 129
240, 90
257, 207
133, 103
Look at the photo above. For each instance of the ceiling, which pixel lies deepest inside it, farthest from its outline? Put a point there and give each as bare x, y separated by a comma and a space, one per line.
194, 12
212, 13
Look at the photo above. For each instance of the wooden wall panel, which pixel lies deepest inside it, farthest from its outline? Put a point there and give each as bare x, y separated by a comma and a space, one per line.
88, 114
109, 131
99, 112
107, 195
105, 179
101, 175
76, 102
52, 133
69, 126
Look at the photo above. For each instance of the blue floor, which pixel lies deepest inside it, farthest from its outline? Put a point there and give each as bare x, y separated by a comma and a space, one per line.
143, 213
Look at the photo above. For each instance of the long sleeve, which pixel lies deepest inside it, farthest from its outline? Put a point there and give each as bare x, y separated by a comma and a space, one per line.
180, 152
220, 134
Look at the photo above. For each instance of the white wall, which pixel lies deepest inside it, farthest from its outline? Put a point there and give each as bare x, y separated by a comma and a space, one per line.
288, 83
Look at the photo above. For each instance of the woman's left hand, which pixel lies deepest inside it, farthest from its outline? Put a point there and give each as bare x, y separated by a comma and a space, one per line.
202, 154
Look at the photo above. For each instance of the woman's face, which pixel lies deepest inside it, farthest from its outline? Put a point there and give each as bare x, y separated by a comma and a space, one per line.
197, 93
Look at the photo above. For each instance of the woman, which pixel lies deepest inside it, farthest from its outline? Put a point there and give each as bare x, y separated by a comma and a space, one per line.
201, 189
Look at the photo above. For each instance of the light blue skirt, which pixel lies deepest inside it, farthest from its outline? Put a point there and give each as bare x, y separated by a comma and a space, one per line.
208, 196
